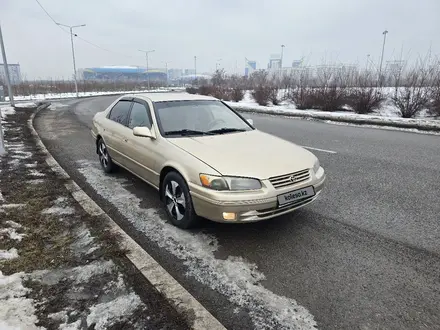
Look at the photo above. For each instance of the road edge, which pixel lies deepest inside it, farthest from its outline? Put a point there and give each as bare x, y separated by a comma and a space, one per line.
163, 282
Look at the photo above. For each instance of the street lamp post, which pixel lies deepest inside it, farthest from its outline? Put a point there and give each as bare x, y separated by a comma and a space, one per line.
166, 69
146, 57
381, 57
73, 52
217, 63
282, 52
195, 68
11, 96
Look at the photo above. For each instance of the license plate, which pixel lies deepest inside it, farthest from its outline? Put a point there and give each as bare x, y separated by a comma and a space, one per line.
295, 195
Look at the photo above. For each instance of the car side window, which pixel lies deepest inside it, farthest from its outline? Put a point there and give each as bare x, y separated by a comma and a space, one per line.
119, 112
139, 116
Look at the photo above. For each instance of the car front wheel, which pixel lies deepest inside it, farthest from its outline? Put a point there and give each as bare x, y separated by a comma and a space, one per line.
178, 202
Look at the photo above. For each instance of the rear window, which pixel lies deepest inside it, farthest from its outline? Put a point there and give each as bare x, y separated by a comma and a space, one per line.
119, 112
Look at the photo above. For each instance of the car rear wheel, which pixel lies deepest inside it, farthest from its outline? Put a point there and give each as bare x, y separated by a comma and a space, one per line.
178, 202
104, 157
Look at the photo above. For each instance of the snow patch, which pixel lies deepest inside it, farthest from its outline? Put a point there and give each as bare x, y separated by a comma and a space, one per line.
104, 314
8, 254
78, 275
26, 105
34, 172
6, 111
12, 234
59, 207
234, 277
12, 206
16, 311
36, 181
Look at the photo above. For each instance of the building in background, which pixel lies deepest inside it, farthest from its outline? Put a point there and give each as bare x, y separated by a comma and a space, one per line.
274, 62
123, 73
175, 74
189, 72
14, 73
250, 66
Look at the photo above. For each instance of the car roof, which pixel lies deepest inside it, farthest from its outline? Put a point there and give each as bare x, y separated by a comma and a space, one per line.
170, 96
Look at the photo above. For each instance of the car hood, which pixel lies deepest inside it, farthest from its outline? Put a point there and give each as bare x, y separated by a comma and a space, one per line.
249, 154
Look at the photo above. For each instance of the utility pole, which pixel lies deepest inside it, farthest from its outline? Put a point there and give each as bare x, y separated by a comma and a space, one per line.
381, 57
73, 52
195, 68
146, 57
282, 53
11, 96
5, 64
166, 69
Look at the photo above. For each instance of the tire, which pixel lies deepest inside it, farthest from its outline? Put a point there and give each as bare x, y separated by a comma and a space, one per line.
178, 202
104, 158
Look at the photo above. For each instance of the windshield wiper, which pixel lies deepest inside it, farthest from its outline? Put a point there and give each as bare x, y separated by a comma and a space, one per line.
185, 132
226, 130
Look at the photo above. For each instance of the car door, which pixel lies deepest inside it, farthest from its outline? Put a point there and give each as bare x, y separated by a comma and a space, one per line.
141, 151
116, 130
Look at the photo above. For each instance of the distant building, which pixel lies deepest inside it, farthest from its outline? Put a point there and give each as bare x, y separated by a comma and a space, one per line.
189, 72
123, 73
274, 61
250, 67
175, 74
14, 73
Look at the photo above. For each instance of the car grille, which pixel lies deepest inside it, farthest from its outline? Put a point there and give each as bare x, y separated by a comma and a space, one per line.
289, 179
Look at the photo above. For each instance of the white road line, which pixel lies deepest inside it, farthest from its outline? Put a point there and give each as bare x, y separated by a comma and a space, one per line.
323, 150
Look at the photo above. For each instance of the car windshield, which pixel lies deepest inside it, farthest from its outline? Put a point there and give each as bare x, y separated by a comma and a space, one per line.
198, 118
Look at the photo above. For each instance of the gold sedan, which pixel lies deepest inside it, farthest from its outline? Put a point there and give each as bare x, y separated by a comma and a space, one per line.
205, 159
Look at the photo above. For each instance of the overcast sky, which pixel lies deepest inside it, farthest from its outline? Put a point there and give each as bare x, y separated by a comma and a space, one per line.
230, 30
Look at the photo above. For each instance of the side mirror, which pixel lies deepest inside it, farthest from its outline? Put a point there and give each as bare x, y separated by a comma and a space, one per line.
250, 121
143, 132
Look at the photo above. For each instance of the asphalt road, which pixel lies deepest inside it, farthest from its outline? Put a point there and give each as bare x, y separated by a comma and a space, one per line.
365, 255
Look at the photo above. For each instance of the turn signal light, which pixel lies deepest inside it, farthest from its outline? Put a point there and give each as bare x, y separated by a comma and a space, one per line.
229, 216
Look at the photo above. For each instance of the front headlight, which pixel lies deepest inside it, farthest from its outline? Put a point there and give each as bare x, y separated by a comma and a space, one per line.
316, 166
229, 183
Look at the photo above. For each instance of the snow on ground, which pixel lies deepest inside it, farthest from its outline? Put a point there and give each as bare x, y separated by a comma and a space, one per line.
387, 115
8, 254
37, 97
16, 311
388, 112
236, 278
60, 207
25, 105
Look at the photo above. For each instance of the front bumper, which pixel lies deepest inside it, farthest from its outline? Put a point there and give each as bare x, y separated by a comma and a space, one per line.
250, 207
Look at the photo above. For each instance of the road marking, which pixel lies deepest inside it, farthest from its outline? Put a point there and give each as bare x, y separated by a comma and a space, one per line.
317, 149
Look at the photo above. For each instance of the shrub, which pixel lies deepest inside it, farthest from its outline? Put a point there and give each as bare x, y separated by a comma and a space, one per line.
364, 97
261, 87
261, 95
191, 90
434, 104
237, 94
303, 97
414, 95
205, 90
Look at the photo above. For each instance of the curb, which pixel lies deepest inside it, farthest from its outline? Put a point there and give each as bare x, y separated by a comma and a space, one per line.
177, 295
434, 127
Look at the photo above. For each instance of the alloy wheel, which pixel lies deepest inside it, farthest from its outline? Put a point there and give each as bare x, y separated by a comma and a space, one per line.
175, 200
103, 155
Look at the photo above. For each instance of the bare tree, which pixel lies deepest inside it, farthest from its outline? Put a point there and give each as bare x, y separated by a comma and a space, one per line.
414, 95
237, 88
332, 88
434, 104
261, 88
363, 96
300, 91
